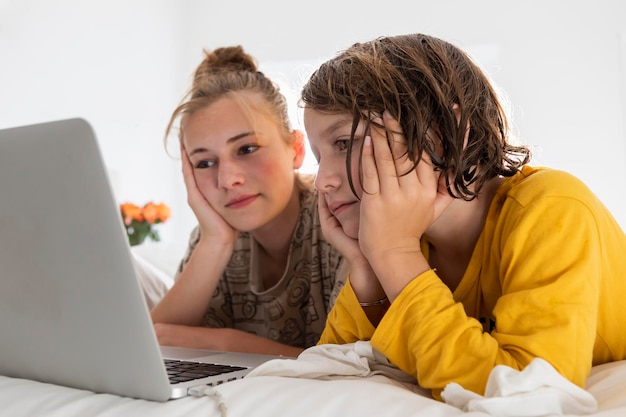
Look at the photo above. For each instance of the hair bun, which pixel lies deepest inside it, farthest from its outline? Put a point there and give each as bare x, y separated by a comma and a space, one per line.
230, 58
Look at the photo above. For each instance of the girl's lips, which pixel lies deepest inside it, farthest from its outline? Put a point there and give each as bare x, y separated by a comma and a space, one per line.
241, 201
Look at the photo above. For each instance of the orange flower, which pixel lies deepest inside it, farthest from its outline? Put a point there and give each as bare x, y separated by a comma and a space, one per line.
156, 213
150, 212
164, 212
140, 221
131, 212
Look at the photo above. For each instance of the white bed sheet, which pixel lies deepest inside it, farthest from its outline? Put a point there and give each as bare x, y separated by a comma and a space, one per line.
265, 395
272, 396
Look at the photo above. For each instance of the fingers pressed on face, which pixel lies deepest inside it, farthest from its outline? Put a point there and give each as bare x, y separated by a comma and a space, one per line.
327, 219
398, 144
426, 173
390, 154
384, 155
386, 163
369, 170
187, 169
184, 158
323, 209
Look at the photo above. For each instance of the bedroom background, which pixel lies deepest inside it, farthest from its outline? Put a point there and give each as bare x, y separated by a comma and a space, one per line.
125, 65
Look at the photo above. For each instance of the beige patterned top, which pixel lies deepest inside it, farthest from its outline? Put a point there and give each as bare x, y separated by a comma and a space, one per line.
294, 310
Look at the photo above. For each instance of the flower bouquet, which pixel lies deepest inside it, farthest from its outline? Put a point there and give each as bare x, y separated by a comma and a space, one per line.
140, 221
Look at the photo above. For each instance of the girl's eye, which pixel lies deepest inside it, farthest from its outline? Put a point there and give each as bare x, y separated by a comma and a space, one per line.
205, 164
248, 149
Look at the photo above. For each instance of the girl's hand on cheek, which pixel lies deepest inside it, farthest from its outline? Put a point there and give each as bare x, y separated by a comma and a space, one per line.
213, 227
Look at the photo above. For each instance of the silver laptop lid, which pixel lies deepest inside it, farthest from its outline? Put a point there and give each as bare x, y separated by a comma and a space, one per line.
71, 309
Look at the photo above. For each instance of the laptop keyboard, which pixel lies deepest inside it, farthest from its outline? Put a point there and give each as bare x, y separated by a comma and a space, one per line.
183, 371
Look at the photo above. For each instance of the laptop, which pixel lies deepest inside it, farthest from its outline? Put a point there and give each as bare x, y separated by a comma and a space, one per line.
71, 308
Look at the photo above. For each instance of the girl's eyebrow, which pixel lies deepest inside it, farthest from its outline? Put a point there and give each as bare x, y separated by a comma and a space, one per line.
241, 135
229, 140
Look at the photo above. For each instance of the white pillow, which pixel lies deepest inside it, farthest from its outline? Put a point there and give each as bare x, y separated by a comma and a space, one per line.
155, 282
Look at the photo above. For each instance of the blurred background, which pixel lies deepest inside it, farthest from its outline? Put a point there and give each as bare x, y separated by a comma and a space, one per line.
124, 65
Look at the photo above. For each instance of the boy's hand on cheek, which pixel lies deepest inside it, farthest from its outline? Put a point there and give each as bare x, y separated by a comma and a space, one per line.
396, 208
334, 234
362, 278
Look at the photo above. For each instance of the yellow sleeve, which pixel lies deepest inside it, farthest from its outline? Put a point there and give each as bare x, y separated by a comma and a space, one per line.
428, 334
346, 322
543, 263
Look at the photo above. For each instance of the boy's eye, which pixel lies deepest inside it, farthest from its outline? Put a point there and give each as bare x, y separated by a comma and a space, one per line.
341, 144
248, 149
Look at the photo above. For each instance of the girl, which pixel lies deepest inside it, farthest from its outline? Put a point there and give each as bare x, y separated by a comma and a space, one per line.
461, 255
258, 274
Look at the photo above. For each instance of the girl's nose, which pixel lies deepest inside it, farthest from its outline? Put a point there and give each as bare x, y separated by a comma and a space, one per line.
229, 175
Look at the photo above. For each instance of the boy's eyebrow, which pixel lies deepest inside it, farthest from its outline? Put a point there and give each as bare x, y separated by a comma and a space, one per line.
229, 140
335, 126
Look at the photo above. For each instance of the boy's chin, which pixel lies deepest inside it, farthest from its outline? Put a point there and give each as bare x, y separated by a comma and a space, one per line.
351, 230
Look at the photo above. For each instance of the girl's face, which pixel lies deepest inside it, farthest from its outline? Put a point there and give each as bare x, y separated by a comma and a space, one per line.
241, 161
329, 135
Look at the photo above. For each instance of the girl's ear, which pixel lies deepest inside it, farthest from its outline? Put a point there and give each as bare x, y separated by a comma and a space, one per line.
299, 148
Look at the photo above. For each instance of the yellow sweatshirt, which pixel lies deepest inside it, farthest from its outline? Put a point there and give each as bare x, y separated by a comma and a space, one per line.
547, 279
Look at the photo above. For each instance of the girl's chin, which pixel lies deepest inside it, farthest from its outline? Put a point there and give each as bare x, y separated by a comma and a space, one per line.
245, 225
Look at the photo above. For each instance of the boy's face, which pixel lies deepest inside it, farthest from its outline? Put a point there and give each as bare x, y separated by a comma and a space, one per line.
329, 136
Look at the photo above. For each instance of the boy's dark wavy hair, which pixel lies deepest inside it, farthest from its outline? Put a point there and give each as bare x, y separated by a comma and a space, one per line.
418, 78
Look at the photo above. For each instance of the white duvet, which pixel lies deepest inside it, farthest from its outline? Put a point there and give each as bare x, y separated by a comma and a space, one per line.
332, 380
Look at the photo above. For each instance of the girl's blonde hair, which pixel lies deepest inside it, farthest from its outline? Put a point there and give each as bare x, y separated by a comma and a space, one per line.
230, 71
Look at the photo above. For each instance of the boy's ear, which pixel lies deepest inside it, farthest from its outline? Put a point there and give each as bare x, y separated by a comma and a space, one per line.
299, 148
457, 112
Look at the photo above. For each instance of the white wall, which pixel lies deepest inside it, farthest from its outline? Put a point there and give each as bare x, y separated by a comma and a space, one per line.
124, 65
112, 62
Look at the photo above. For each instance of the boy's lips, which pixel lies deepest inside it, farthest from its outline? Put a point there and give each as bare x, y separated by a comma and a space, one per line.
337, 207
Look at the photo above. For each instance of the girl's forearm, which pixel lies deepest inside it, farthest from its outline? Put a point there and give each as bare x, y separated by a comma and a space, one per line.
188, 299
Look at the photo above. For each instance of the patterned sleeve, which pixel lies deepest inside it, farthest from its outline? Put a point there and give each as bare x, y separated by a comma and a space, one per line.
194, 238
